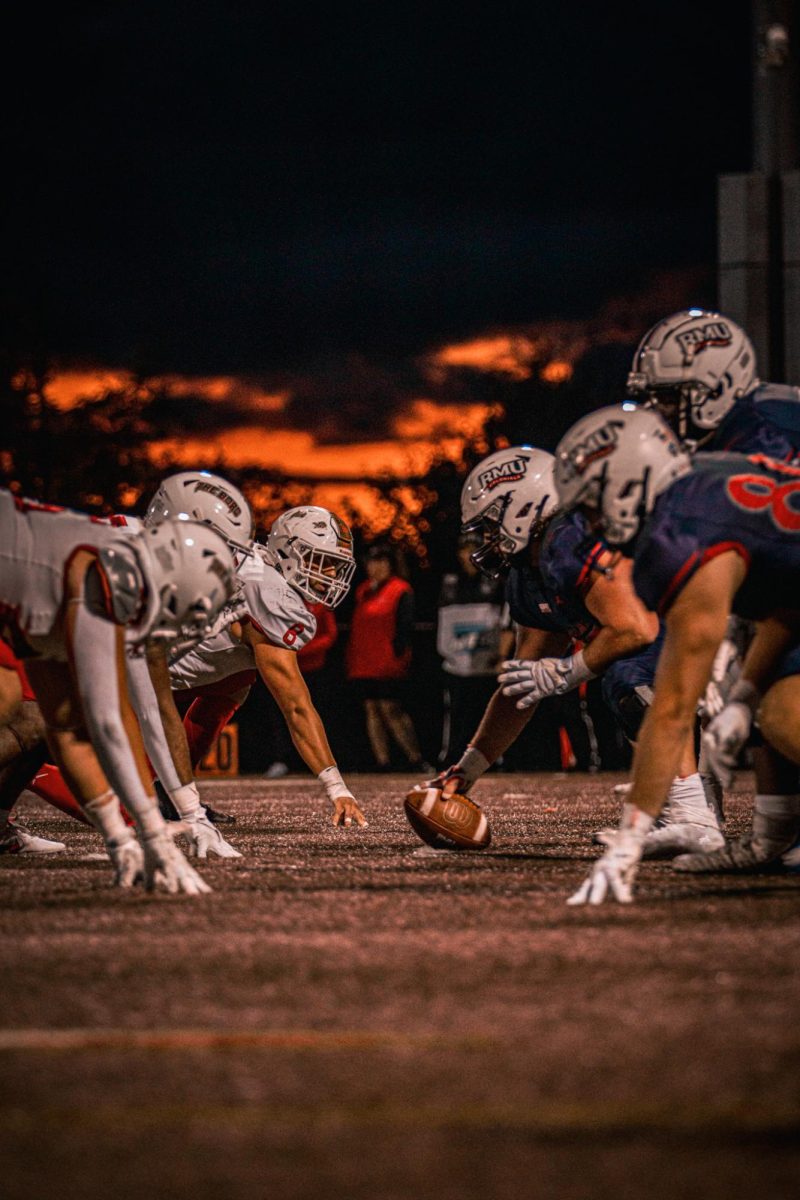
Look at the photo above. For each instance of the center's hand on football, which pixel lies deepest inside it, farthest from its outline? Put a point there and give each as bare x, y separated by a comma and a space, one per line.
449, 781
346, 811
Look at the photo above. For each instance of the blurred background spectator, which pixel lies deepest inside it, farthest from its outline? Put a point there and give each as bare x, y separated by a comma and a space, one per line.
378, 659
472, 641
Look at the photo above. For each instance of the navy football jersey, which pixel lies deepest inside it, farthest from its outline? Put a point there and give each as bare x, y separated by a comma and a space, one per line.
767, 421
746, 503
550, 597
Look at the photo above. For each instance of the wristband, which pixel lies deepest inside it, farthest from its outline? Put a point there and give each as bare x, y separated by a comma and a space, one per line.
577, 671
333, 783
746, 693
635, 821
472, 765
186, 799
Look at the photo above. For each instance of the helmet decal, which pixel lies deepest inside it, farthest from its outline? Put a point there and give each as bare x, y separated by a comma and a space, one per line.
693, 341
510, 471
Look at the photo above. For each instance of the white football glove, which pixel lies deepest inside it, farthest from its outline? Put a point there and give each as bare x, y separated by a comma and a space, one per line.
724, 738
165, 866
535, 680
615, 871
127, 859
724, 672
204, 838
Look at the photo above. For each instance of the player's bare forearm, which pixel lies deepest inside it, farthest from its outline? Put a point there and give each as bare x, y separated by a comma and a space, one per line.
625, 624
503, 722
281, 674
611, 644
773, 638
171, 722
501, 725
695, 627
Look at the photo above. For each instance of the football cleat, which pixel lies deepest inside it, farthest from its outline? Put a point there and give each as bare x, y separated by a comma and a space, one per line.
18, 840
740, 857
170, 813
681, 837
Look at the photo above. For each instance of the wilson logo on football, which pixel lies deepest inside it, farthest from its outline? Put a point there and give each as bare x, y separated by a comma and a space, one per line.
692, 341
457, 814
510, 471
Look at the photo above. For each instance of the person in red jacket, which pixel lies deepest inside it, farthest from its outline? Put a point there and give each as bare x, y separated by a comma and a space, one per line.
379, 657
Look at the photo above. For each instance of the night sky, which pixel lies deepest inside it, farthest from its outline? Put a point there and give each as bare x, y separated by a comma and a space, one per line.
263, 189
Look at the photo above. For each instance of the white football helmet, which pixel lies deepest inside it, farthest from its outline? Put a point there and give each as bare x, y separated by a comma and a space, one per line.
693, 365
168, 580
313, 550
201, 496
509, 497
617, 461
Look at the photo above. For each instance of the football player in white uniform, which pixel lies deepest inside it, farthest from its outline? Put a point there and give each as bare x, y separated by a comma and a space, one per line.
308, 556
72, 586
196, 496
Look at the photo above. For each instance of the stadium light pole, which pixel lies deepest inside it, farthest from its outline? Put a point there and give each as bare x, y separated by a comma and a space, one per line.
759, 212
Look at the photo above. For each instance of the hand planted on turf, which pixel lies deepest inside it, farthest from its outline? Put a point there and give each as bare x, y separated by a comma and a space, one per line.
724, 737
613, 874
346, 811
165, 867
127, 859
204, 838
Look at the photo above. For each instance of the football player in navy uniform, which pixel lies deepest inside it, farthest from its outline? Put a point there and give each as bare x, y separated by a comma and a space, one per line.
561, 588
699, 369
708, 536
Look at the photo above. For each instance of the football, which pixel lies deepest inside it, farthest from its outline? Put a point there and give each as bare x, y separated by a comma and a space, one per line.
447, 822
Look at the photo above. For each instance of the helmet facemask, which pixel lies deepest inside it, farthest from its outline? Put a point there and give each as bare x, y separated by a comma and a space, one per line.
322, 576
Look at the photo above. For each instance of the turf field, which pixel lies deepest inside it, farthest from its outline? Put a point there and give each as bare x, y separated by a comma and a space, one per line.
347, 1017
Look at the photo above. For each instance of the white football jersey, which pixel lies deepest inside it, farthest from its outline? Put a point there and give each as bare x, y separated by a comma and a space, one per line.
36, 544
273, 607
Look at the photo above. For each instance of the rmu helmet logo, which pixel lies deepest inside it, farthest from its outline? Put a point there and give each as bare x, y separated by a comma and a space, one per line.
714, 333
598, 444
509, 471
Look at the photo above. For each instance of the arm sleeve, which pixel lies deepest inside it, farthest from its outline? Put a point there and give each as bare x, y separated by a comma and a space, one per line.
404, 624
93, 652
145, 704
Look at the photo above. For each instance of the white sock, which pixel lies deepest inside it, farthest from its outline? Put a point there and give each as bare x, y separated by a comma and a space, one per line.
687, 802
